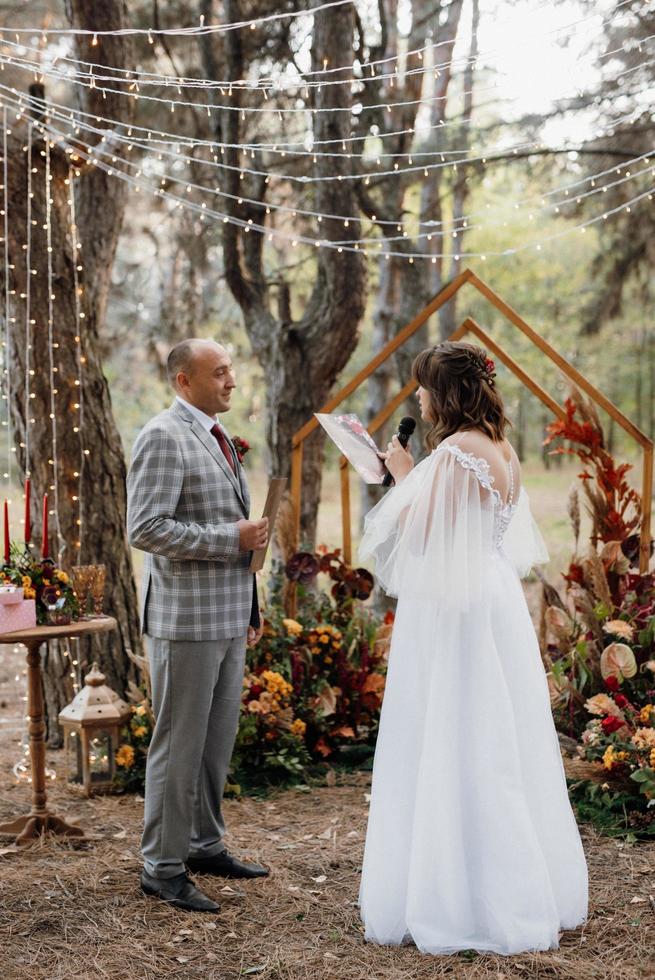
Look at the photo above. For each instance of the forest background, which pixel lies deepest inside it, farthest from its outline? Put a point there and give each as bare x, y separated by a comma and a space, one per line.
538, 112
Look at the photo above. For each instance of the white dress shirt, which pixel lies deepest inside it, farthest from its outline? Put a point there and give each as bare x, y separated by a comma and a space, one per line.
205, 420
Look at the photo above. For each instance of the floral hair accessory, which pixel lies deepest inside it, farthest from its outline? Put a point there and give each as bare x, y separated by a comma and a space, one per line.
489, 367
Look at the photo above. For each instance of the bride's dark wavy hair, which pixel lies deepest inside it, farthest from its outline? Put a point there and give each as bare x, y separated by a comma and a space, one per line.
460, 381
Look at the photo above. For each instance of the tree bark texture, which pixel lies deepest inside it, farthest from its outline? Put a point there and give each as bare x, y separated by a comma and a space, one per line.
85, 477
405, 286
302, 358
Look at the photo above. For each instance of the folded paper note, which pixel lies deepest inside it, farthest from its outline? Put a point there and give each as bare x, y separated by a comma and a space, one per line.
349, 434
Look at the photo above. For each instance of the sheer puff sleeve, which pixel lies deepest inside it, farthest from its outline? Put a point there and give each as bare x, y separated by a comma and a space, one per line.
432, 536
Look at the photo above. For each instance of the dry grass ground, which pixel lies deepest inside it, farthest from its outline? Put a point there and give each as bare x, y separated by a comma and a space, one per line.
70, 913
67, 913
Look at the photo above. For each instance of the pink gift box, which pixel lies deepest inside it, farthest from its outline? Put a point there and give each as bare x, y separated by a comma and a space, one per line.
16, 613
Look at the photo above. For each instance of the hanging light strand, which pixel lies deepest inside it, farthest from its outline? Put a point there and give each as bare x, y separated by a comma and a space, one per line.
7, 344
79, 383
322, 75
347, 244
54, 486
201, 29
258, 111
29, 419
90, 73
551, 201
425, 169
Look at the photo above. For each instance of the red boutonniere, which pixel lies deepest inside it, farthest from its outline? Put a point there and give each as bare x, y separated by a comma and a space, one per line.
241, 447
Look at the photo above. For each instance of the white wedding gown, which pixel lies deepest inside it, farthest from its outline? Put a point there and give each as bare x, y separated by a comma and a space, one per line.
471, 841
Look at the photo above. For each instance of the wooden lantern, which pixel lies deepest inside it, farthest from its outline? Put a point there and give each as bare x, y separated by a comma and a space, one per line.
92, 724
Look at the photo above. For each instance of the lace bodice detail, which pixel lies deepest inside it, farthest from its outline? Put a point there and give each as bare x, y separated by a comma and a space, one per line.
503, 511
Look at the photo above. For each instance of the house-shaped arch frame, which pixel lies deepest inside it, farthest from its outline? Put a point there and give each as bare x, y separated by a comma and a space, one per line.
469, 326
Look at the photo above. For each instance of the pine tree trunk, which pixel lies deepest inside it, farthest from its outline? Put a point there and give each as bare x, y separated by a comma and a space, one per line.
77, 456
302, 358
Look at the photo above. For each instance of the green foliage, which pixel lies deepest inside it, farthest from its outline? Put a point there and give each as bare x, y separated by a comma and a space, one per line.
610, 811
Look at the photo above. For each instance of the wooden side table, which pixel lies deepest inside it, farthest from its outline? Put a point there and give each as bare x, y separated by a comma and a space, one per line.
40, 820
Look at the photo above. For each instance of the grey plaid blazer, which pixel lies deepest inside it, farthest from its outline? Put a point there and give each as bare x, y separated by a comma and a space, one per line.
184, 502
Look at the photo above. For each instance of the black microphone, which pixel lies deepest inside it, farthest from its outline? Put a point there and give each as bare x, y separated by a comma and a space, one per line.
405, 429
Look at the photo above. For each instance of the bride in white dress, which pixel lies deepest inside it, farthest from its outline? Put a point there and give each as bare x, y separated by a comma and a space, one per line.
471, 841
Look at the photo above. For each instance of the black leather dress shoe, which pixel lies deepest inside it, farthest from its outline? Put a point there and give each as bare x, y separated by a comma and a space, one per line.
178, 891
225, 866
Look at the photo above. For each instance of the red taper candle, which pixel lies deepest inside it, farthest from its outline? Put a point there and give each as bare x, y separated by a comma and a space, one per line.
28, 526
6, 533
44, 543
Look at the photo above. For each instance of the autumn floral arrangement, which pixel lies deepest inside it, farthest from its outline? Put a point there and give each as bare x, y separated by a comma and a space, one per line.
312, 688
314, 684
599, 640
43, 581
132, 752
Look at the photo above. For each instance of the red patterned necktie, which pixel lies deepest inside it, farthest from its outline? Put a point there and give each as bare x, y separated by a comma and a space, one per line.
219, 435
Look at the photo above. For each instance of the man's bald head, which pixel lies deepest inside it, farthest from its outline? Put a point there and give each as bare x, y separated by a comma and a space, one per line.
183, 356
202, 374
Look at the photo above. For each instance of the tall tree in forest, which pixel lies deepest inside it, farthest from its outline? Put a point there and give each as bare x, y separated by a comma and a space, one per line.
64, 430
406, 286
303, 355
627, 243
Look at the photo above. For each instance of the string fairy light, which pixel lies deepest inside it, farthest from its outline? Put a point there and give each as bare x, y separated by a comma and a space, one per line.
279, 146
171, 139
79, 381
92, 72
7, 344
52, 346
29, 272
464, 222
305, 81
303, 179
243, 111
354, 245
200, 30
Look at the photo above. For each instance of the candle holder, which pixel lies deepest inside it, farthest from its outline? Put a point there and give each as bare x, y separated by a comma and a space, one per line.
98, 589
82, 576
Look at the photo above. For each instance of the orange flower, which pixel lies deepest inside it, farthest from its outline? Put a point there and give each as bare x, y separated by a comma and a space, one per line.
374, 684
125, 756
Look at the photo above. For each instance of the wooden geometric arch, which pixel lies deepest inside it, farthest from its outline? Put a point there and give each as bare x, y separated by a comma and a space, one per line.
469, 325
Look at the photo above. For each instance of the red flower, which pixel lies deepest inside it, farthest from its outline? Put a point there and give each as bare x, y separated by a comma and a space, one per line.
575, 574
611, 683
621, 700
611, 724
489, 366
302, 567
241, 447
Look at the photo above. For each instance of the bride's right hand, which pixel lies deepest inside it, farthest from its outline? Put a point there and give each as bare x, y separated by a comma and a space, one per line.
398, 460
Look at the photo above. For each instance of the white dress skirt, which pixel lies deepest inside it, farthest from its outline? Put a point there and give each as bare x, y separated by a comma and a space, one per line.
471, 840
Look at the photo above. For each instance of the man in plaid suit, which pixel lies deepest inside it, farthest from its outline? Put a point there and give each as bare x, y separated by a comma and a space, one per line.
188, 507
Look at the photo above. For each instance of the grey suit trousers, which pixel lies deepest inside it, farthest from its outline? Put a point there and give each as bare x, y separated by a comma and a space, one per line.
196, 695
